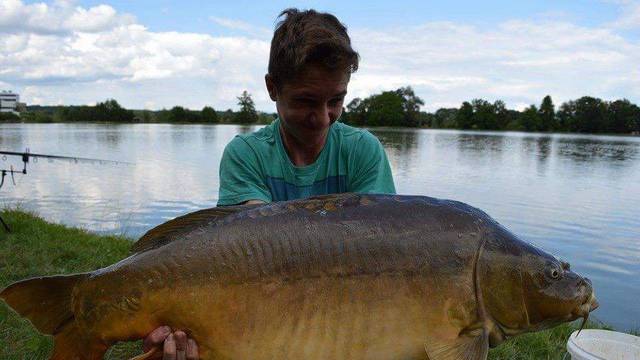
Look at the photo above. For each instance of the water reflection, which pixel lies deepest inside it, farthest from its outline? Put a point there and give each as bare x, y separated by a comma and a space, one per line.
589, 149
245, 129
179, 133
537, 149
543, 144
110, 136
11, 140
403, 141
208, 133
481, 143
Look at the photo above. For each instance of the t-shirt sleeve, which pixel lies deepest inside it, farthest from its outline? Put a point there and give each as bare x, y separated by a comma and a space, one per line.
370, 171
240, 178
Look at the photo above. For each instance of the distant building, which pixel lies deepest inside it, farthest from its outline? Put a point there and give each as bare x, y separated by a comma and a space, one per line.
9, 101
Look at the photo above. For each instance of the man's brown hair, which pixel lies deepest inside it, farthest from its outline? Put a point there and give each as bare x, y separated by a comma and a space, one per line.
309, 37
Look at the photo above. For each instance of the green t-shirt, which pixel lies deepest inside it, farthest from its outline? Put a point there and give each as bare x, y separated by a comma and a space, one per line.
256, 167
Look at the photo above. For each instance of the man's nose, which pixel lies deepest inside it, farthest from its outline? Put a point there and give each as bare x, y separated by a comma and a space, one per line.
322, 114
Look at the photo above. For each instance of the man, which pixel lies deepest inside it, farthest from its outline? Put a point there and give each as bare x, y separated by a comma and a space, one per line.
305, 151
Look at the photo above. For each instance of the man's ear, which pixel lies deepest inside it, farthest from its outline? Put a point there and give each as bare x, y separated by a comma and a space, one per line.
271, 87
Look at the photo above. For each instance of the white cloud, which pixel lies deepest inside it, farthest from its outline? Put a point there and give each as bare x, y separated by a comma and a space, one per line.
60, 17
63, 52
124, 59
518, 61
34, 95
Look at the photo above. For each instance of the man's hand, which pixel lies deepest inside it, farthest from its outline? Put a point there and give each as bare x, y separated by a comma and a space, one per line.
174, 346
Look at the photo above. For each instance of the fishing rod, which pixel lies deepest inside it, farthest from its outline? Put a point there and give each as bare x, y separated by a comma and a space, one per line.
26, 155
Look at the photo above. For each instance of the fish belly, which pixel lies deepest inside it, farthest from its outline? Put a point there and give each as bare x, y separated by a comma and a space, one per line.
368, 317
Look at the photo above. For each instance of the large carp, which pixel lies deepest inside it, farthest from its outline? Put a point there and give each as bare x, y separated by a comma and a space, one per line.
335, 277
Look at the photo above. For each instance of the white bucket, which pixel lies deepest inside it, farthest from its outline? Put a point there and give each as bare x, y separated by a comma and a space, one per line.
603, 344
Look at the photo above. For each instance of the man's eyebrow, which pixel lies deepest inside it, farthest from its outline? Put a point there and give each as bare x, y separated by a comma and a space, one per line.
313, 95
305, 95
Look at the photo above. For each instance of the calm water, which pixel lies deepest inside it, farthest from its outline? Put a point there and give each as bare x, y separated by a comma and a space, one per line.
575, 196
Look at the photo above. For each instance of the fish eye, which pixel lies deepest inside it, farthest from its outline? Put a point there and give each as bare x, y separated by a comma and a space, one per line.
553, 271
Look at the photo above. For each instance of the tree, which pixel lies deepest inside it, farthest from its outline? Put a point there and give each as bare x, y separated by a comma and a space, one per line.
501, 114
228, 116
547, 115
266, 118
9, 117
513, 120
177, 114
484, 116
624, 117
590, 114
567, 117
400, 107
356, 112
426, 119
386, 109
410, 106
109, 110
445, 118
209, 115
33, 116
146, 116
247, 113
464, 116
529, 119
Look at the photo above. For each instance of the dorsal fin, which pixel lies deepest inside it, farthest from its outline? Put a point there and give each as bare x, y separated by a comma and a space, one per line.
172, 229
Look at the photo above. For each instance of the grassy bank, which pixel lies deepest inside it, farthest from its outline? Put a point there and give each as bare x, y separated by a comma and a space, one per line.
36, 247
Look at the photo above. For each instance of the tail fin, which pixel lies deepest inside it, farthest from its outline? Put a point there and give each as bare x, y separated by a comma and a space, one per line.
46, 302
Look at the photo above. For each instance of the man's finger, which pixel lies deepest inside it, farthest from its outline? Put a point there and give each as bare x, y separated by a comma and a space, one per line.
181, 345
192, 350
156, 337
169, 351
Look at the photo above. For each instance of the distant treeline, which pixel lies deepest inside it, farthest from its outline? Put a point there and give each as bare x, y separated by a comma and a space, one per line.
584, 115
111, 111
400, 107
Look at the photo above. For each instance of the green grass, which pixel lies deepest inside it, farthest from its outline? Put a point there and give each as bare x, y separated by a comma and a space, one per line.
36, 247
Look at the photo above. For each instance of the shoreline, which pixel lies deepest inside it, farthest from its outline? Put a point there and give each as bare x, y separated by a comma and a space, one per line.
632, 134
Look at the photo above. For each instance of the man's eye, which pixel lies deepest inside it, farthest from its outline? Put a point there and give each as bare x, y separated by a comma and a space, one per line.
336, 101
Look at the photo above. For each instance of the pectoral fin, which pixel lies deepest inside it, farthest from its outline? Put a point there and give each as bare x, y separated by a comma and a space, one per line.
472, 345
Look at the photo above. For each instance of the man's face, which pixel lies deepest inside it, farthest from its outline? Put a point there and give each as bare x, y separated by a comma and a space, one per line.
309, 104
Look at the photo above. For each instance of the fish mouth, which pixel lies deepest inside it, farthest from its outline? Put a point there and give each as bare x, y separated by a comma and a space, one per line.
594, 304
589, 303
583, 310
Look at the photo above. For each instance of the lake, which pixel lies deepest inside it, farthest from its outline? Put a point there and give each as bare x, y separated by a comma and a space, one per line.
577, 196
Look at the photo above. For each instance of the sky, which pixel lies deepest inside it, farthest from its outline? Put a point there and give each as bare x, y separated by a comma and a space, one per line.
159, 54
